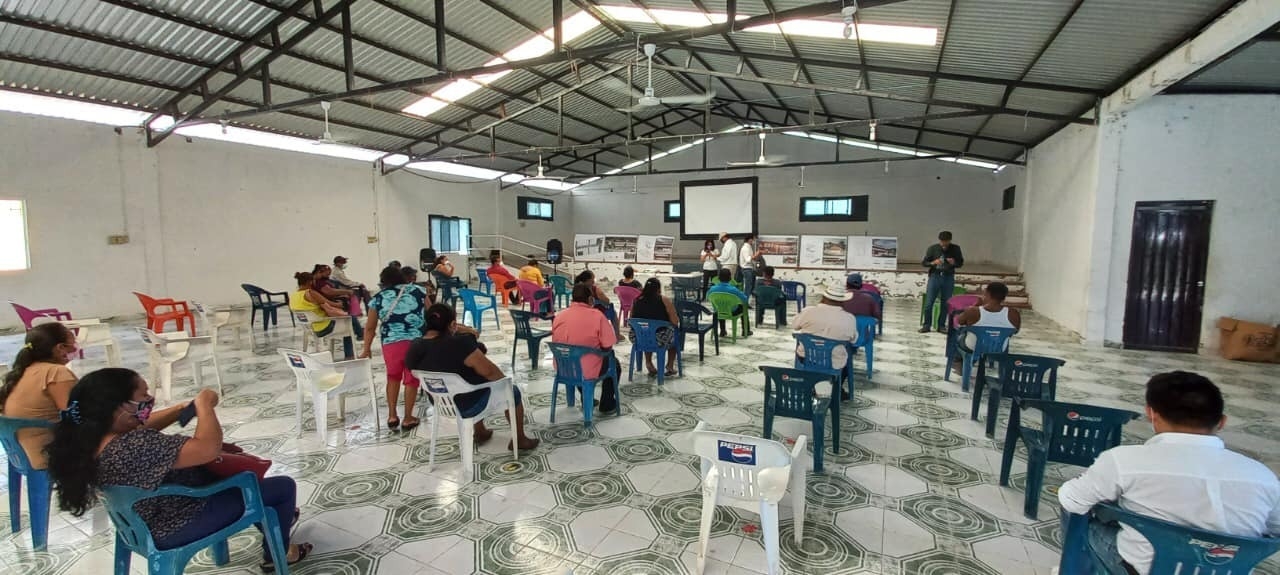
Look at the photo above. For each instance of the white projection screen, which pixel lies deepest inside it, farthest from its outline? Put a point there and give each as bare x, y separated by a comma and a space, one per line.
715, 206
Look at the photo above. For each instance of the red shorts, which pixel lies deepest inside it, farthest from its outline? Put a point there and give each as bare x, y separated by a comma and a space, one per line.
393, 355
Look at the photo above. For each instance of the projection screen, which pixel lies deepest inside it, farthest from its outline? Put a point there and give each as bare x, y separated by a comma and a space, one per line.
711, 207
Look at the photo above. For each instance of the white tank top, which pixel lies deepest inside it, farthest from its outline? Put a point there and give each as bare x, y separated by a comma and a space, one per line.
994, 318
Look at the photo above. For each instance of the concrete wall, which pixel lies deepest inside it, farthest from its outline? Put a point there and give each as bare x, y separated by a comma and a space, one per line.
912, 200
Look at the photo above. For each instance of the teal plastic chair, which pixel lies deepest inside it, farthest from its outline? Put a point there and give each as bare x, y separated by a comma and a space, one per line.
1025, 376
133, 536
38, 487
486, 284
684, 293
790, 393
990, 340
867, 339
796, 292
1070, 433
771, 297
569, 374
1178, 548
818, 357
691, 313
562, 288
524, 331
724, 304
448, 287
646, 331
476, 303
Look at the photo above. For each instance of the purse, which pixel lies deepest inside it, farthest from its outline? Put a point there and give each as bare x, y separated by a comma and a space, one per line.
234, 460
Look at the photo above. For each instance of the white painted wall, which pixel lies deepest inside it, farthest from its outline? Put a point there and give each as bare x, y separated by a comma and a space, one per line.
914, 200
1062, 175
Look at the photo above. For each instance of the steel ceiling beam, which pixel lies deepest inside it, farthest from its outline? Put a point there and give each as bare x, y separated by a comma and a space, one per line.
837, 117
942, 53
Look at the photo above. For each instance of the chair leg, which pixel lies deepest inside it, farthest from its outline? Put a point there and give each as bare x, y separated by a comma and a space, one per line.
533, 352
166, 381
320, 409
124, 557
715, 334
966, 369
588, 403
978, 387
38, 494
1035, 481
704, 528
274, 542
819, 443
435, 431
1006, 457
222, 552
555, 391
993, 410
769, 522
466, 445
662, 365
768, 421
15, 499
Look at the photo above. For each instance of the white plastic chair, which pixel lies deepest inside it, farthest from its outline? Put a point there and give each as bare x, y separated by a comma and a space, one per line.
442, 387
324, 379
172, 350
214, 320
90, 333
341, 329
749, 473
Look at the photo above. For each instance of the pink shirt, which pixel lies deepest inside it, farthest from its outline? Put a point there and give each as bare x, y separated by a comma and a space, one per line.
581, 324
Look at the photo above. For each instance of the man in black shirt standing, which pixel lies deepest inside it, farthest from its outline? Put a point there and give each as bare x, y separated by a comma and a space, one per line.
942, 259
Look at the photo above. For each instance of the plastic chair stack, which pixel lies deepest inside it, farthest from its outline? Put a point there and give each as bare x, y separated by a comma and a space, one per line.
529, 291
867, 339
38, 486
133, 535
990, 340
1025, 376
170, 351
725, 304
443, 388
752, 474
626, 299
162, 311
562, 289
767, 297
568, 360
796, 292
819, 356
532, 337
1070, 433
342, 328
476, 303
793, 393
260, 300
691, 323
325, 379
646, 331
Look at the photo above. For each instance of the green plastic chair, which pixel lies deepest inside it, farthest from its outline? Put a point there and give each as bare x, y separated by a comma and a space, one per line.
724, 304
958, 290
562, 288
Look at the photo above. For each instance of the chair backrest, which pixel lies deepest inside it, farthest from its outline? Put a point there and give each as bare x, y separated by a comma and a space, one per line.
626, 296
746, 468
866, 329
150, 338
311, 369
768, 296
26, 314
686, 283
724, 304
990, 339
528, 289
963, 302
9, 427
1029, 376
118, 500
790, 391
1187, 550
560, 283
471, 298
255, 294
959, 290
1076, 433
568, 361
794, 289
647, 333
309, 317
443, 388
818, 352
685, 293
521, 319
690, 314
148, 303
483, 274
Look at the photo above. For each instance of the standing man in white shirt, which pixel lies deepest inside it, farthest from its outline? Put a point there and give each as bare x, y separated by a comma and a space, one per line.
1183, 474
746, 267
729, 254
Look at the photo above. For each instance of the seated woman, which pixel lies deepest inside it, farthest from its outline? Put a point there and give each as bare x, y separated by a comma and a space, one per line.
629, 278
533, 274
108, 435
599, 300
653, 305
450, 348
325, 287
309, 300
38, 385
502, 278
444, 267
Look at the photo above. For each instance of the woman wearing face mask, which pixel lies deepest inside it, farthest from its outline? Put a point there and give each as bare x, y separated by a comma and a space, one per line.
108, 435
38, 385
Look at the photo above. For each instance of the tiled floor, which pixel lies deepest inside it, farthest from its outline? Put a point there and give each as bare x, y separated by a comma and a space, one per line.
912, 491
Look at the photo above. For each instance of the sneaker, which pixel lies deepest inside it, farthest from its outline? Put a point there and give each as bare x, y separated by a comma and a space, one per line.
924, 329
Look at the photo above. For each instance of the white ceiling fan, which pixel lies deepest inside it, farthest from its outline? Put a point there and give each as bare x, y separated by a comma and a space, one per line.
540, 175
763, 160
649, 100
327, 137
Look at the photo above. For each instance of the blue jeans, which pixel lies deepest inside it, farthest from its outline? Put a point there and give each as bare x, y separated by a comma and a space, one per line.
748, 281
225, 507
348, 348
940, 287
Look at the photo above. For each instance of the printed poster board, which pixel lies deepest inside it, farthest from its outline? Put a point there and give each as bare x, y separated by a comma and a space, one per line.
588, 246
873, 252
620, 248
655, 249
824, 251
779, 251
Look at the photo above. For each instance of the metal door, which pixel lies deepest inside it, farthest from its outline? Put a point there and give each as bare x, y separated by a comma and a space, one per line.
1167, 260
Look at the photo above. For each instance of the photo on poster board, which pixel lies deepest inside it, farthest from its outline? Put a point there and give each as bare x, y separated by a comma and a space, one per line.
873, 253
779, 251
655, 249
588, 246
619, 248
824, 251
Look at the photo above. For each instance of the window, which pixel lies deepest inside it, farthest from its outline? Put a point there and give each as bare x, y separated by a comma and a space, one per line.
534, 209
450, 235
672, 211
1007, 203
835, 209
13, 235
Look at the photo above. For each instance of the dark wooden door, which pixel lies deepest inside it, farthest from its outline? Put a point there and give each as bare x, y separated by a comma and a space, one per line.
1167, 263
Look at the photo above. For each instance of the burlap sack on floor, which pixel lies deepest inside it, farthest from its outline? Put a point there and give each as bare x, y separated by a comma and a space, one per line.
1249, 341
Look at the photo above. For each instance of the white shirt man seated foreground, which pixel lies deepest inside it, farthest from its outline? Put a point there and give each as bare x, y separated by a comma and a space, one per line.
1183, 474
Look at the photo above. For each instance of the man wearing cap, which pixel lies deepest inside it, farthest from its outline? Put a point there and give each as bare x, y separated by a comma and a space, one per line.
729, 255
860, 302
828, 320
340, 277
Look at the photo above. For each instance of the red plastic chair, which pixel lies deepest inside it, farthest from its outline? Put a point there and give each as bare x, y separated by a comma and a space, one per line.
28, 315
175, 311
959, 303
528, 292
626, 299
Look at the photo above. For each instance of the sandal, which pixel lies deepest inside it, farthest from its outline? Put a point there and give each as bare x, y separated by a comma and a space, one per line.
392, 424
304, 549
671, 373
526, 446
410, 423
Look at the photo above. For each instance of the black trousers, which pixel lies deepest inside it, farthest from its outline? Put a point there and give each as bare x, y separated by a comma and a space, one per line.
608, 395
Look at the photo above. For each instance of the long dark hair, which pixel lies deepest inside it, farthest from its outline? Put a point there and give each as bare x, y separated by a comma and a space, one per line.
709, 245
305, 279
73, 461
652, 289
41, 344
439, 317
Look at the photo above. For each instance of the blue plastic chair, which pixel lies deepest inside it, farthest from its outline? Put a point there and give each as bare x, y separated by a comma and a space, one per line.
524, 331
1178, 548
260, 300
1025, 376
880, 304
818, 357
486, 284
133, 535
796, 292
646, 331
691, 313
38, 489
990, 340
867, 339
447, 286
1070, 433
790, 393
562, 289
471, 305
568, 360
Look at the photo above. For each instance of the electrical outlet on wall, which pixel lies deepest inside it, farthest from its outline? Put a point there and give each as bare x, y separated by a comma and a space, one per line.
118, 240
372, 239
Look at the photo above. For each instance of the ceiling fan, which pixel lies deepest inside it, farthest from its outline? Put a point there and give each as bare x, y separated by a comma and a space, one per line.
540, 175
763, 160
649, 100
327, 137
